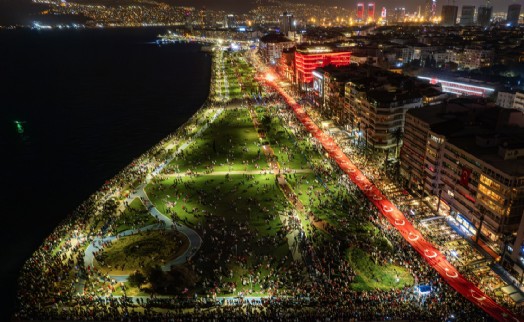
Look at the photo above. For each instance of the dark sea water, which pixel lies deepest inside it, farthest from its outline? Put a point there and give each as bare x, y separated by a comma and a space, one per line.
92, 101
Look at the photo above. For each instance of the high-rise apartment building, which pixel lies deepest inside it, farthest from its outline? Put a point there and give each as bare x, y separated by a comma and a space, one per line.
467, 15
398, 14
484, 16
377, 101
471, 155
512, 18
449, 15
286, 23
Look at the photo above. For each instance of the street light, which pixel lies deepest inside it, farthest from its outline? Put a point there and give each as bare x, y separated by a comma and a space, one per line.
439, 194
477, 236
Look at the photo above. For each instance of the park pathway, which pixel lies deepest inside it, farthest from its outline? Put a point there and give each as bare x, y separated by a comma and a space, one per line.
222, 173
195, 241
292, 236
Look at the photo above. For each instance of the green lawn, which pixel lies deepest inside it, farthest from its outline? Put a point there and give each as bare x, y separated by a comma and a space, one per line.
237, 215
371, 275
135, 216
142, 250
330, 202
236, 146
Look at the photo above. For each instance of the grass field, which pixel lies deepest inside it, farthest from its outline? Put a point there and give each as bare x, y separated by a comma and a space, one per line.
238, 214
142, 250
135, 216
371, 275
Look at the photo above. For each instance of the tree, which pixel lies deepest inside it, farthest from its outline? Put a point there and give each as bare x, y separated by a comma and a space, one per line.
137, 279
156, 277
266, 122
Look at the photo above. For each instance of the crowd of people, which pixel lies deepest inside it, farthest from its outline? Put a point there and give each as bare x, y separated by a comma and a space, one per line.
316, 287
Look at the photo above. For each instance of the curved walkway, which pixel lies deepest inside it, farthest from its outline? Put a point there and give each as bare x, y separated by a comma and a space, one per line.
427, 250
195, 241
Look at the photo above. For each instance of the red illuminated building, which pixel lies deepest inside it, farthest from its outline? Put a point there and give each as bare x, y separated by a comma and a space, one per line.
307, 58
371, 11
360, 11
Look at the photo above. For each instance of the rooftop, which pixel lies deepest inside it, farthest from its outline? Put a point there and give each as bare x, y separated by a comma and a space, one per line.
275, 38
478, 129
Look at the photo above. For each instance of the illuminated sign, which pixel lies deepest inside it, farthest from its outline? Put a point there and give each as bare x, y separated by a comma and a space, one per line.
318, 84
436, 139
460, 88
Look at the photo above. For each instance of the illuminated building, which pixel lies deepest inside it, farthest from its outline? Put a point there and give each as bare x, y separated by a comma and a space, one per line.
286, 23
384, 13
360, 11
371, 11
430, 9
328, 90
307, 58
484, 16
460, 88
272, 46
512, 18
376, 102
467, 15
449, 15
469, 155
399, 14
511, 99
231, 21
506, 99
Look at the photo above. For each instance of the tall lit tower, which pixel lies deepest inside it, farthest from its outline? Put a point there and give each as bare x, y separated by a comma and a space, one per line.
371, 11
430, 9
360, 11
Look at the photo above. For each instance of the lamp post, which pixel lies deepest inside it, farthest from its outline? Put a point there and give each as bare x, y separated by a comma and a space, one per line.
439, 195
367, 137
358, 133
477, 236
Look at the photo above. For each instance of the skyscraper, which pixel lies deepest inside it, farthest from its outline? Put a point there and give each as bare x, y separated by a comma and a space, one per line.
231, 21
360, 11
399, 14
286, 23
371, 11
484, 16
513, 14
466, 16
449, 15
430, 9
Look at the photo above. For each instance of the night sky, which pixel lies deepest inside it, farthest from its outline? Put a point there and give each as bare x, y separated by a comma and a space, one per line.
21, 11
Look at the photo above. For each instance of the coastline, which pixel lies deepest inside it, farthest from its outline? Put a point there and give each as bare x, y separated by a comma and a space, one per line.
106, 190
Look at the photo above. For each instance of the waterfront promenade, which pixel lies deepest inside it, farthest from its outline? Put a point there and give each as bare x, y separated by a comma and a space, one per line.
276, 230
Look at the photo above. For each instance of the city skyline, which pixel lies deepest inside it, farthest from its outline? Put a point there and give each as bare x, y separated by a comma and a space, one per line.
23, 11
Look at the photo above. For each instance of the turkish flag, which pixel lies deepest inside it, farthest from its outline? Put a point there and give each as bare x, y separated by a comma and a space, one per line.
464, 177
